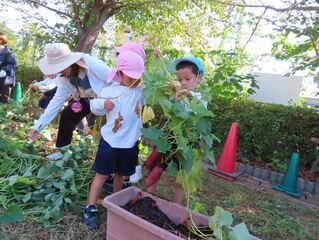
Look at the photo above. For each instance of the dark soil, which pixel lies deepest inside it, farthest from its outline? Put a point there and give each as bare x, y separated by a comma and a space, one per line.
147, 209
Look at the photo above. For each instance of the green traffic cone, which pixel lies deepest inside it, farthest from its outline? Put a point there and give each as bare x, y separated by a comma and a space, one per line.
17, 94
289, 181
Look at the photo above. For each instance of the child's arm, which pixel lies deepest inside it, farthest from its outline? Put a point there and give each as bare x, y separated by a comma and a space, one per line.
100, 106
86, 128
43, 86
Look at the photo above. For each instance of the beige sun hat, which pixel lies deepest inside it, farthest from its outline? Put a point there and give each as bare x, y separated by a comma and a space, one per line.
58, 57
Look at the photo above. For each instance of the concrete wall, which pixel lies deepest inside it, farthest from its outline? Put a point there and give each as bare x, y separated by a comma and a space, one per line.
276, 88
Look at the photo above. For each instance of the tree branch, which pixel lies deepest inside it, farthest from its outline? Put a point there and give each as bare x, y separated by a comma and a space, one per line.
75, 17
216, 19
133, 5
313, 42
37, 18
49, 8
286, 9
255, 28
86, 15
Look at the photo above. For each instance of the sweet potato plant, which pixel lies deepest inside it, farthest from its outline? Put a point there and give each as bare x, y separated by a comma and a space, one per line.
183, 128
31, 186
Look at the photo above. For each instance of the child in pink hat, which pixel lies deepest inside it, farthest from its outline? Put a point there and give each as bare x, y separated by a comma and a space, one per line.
118, 149
131, 46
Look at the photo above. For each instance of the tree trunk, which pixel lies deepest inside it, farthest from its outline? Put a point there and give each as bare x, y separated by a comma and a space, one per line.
88, 38
88, 35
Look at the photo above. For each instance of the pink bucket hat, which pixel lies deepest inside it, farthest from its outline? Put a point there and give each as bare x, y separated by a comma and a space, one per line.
58, 57
132, 46
130, 63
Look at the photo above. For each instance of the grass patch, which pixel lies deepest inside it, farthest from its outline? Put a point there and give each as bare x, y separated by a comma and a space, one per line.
265, 216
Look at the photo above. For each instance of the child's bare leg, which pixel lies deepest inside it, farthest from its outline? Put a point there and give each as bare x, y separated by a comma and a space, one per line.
118, 182
96, 187
178, 193
152, 188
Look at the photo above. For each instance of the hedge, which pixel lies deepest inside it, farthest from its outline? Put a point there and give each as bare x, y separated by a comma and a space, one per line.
26, 74
267, 133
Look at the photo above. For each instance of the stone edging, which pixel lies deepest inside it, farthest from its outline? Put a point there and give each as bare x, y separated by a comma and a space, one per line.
275, 177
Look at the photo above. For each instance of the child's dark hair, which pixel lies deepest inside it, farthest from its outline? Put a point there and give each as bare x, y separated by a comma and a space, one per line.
187, 64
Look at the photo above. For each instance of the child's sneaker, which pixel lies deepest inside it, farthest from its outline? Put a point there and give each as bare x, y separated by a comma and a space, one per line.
134, 178
90, 217
110, 179
126, 184
153, 159
154, 176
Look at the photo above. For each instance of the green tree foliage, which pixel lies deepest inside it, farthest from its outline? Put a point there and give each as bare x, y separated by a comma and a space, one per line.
80, 21
298, 38
26, 51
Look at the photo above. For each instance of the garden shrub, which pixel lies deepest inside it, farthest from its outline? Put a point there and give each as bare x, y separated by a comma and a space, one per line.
267, 132
26, 74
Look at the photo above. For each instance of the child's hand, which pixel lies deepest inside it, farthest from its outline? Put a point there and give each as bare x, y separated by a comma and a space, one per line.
176, 86
87, 130
108, 105
34, 87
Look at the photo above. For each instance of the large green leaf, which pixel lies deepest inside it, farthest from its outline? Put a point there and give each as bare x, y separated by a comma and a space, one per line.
220, 218
152, 133
67, 175
187, 160
172, 169
204, 126
21, 179
26, 197
180, 110
67, 155
13, 214
43, 173
240, 232
199, 109
162, 145
59, 163
166, 105
207, 140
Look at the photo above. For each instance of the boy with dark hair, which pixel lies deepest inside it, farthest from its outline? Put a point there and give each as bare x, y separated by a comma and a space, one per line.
189, 72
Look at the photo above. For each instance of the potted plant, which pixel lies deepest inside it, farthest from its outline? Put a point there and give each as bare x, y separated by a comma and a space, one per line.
121, 224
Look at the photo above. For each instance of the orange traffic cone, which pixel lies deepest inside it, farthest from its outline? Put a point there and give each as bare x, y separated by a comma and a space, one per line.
226, 164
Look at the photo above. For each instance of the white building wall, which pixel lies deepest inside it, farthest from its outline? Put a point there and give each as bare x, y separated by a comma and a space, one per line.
276, 88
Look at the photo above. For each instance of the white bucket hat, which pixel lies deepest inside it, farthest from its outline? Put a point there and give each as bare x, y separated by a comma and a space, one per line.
58, 57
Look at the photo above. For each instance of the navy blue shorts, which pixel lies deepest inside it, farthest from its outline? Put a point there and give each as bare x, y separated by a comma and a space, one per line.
44, 102
110, 160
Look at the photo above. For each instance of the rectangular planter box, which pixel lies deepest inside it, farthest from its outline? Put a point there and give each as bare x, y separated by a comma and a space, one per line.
123, 225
